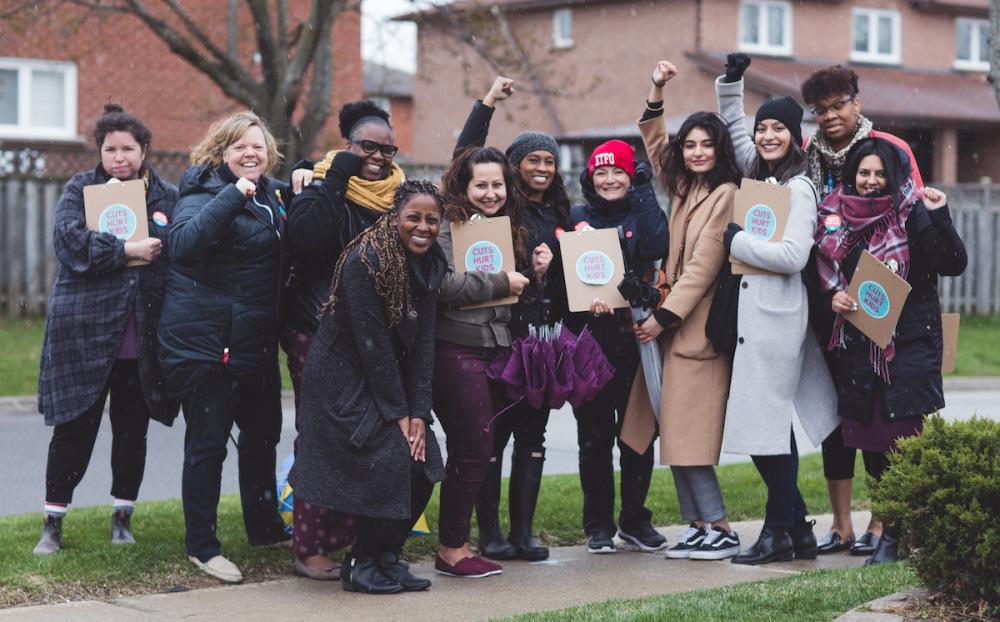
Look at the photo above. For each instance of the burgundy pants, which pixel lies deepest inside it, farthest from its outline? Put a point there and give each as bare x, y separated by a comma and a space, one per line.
316, 530
465, 401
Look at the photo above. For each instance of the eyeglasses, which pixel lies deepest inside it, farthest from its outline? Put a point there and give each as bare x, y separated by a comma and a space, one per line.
837, 106
370, 147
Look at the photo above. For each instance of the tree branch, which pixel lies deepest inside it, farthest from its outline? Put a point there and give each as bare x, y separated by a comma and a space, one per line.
271, 64
318, 104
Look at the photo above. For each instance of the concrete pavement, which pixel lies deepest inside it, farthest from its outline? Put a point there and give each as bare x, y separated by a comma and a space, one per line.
569, 578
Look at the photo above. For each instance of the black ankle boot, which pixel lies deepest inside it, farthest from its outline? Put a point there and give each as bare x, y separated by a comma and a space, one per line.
362, 574
51, 539
121, 527
804, 540
525, 480
491, 540
394, 569
773, 544
887, 549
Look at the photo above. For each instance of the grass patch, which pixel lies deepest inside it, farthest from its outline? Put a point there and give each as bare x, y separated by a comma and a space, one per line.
978, 346
20, 355
813, 596
89, 567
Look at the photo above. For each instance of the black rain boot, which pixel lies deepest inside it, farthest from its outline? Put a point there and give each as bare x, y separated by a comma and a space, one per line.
887, 549
491, 541
804, 540
393, 568
362, 574
51, 540
525, 480
773, 544
121, 527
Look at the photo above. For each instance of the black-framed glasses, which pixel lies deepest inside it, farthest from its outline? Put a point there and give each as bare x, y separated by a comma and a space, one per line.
370, 147
837, 106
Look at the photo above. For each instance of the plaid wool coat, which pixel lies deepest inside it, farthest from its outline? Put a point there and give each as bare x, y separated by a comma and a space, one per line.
90, 304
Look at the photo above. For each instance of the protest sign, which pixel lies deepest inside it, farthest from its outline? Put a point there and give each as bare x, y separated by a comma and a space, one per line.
639, 424
761, 208
593, 266
118, 209
949, 334
484, 245
880, 294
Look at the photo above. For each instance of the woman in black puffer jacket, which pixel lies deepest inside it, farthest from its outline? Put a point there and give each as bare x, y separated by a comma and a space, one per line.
219, 331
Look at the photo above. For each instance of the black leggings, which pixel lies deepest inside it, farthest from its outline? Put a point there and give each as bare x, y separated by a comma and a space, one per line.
375, 536
838, 460
72, 442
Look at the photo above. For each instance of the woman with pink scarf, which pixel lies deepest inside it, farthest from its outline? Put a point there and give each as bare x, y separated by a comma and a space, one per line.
883, 395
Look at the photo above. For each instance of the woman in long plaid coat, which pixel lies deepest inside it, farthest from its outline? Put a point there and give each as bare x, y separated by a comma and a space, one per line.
100, 333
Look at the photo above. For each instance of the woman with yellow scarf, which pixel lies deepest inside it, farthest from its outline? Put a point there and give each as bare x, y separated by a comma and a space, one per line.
348, 191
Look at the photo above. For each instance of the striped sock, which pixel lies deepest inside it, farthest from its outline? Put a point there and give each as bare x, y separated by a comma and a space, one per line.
123, 505
56, 509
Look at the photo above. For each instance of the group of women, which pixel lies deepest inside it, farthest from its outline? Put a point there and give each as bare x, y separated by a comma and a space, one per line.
350, 269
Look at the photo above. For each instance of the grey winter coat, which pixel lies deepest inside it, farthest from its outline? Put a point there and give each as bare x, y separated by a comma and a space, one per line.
778, 368
361, 377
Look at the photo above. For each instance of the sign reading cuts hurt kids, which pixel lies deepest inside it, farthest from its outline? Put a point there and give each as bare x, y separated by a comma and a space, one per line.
483, 256
592, 265
880, 294
760, 222
761, 208
595, 268
118, 208
484, 245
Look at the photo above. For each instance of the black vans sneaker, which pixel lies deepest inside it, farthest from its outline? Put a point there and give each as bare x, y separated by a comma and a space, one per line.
687, 542
718, 544
645, 538
600, 542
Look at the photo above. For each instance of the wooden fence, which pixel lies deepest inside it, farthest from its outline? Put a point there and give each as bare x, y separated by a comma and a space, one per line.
28, 265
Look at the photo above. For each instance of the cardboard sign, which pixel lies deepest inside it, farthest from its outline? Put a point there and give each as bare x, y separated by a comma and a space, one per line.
949, 333
484, 245
761, 208
880, 294
639, 424
118, 209
593, 266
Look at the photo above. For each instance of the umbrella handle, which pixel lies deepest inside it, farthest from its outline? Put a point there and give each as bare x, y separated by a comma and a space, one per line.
489, 424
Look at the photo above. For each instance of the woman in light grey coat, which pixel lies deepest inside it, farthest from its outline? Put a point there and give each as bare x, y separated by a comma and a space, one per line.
778, 367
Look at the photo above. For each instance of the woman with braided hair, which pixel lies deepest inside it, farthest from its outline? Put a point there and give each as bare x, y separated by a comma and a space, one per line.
365, 402
341, 196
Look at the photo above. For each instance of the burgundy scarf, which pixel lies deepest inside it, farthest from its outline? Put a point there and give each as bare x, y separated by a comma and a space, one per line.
846, 221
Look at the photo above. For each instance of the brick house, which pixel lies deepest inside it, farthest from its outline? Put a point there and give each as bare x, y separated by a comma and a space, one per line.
922, 65
59, 68
393, 90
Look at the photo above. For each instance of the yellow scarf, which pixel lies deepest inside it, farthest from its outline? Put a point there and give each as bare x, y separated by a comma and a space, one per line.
373, 195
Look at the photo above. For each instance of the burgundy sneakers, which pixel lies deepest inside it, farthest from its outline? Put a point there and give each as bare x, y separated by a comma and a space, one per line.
474, 567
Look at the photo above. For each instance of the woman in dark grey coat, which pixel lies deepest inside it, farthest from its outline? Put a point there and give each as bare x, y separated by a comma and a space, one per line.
365, 405
100, 333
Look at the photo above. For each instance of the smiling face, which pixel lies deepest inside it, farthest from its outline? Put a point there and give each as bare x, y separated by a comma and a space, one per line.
377, 165
538, 169
611, 182
870, 178
837, 117
419, 223
487, 190
773, 140
698, 150
247, 157
122, 156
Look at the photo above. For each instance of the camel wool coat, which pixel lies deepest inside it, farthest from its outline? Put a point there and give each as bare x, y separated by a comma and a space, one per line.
695, 382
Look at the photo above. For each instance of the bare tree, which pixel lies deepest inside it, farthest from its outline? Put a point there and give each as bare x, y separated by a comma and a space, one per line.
995, 48
287, 81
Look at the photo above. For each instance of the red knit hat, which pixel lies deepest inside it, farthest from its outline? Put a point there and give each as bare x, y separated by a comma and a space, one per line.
612, 153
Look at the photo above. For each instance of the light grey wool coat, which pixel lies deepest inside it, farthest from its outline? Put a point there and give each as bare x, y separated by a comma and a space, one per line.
778, 368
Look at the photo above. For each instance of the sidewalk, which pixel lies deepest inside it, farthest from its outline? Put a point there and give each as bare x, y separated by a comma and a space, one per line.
570, 577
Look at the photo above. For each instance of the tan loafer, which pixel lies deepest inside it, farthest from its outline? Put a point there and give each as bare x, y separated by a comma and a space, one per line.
220, 568
330, 573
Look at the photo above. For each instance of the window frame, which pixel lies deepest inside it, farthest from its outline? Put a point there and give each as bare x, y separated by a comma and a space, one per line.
894, 57
23, 129
762, 25
971, 64
560, 42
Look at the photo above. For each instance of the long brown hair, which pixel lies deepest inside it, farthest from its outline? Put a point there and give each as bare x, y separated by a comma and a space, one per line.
676, 177
455, 184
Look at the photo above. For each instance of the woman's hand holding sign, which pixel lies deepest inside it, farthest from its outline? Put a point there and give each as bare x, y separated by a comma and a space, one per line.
517, 283
842, 303
146, 250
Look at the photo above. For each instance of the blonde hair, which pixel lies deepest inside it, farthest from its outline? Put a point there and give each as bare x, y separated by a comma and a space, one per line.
227, 131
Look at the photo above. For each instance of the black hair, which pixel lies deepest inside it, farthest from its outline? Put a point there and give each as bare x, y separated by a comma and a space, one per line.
115, 119
355, 114
675, 175
794, 163
895, 161
830, 81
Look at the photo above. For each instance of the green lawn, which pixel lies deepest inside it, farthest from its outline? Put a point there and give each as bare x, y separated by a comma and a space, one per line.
89, 567
821, 595
978, 346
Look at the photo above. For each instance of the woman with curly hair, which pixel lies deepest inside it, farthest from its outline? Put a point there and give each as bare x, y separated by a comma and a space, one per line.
364, 447
342, 195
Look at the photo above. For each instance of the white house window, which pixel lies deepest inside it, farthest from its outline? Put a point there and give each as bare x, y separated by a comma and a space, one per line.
37, 99
875, 36
972, 44
766, 27
562, 28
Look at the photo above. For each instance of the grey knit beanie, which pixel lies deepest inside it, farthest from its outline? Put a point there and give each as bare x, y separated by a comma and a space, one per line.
526, 142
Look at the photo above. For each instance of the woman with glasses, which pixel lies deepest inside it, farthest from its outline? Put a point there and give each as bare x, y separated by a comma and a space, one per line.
342, 195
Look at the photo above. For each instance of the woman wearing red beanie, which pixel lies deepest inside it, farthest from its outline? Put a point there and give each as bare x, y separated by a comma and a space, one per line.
618, 193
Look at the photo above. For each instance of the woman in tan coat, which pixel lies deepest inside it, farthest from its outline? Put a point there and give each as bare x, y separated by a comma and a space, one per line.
698, 169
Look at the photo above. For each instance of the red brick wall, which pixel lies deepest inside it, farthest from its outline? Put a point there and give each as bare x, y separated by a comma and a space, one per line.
401, 109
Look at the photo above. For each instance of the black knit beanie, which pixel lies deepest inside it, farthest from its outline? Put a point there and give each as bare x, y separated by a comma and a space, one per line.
785, 110
526, 142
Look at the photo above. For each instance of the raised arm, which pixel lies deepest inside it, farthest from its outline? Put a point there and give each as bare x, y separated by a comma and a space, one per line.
477, 125
729, 96
791, 254
936, 236
199, 225
317, 215
651, 125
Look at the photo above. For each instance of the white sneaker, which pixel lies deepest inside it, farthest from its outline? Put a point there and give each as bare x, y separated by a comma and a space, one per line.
220, 568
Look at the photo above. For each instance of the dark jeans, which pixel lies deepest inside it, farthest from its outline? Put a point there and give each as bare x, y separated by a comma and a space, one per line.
254, 404
380, 535
785, 506
465, 401
72, 442
525, 424
598, 424
838, 460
